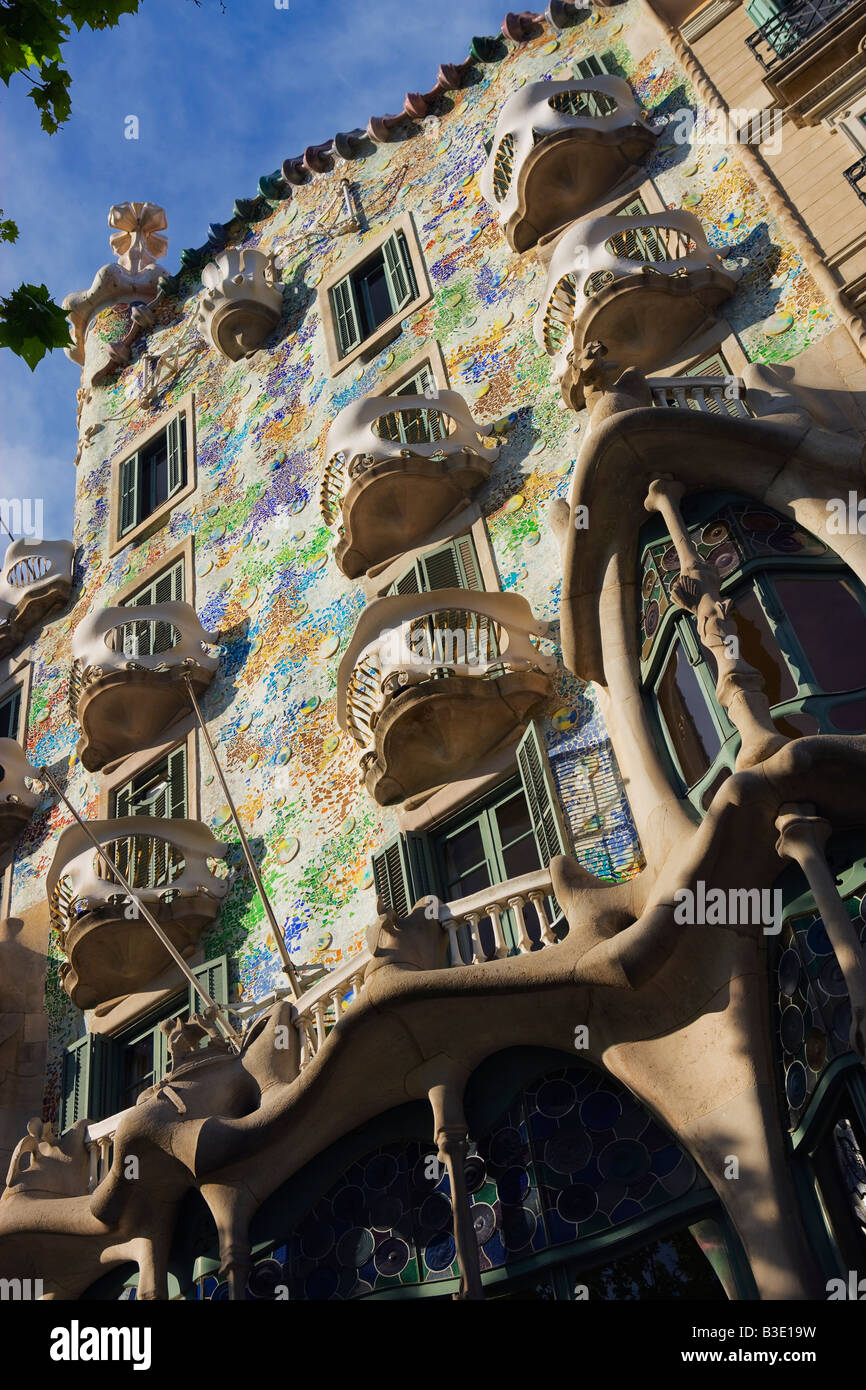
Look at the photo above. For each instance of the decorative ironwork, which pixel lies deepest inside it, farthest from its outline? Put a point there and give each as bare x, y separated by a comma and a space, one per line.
785, 32
856, 176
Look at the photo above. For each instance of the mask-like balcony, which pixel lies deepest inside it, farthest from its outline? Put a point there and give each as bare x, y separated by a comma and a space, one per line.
397, 467
644, 286
127, 678
36, 580
18, 800
110, 950
435, 685
560, 149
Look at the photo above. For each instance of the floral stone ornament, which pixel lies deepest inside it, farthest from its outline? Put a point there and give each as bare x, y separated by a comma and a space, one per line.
137, 241
242, 304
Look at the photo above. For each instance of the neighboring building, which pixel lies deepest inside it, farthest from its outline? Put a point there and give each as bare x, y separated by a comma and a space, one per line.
489, 481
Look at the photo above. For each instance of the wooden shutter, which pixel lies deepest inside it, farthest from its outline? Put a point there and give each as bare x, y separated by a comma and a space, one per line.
410, 582
541, 795
714, 365
452, 566
214, 975
75, 1090
10, 714
89, 1088
130, 481
398, 271
595, 65
403, 872
175, 439
177, 799
347, 319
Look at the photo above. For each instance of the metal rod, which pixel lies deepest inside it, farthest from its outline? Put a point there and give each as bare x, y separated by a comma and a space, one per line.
288, 968
197, 985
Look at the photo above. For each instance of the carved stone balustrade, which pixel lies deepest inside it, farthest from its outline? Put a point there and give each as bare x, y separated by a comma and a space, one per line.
397, 467
644, 286
128, 676
560, 149
36, 580
111, 951
320, 1007
242, 302
524, 899
435, 685
18, 801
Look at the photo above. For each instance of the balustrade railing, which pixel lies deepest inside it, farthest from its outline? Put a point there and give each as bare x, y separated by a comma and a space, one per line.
713, 395
782, 34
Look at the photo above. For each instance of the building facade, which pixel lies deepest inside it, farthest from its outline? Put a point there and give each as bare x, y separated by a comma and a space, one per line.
450, 881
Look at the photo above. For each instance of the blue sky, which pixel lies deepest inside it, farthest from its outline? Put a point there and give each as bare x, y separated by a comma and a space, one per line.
221, 99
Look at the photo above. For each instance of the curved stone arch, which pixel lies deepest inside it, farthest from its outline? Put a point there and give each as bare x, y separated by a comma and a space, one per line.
372, 1212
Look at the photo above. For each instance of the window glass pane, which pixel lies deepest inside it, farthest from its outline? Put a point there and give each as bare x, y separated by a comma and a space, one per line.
138, 1069
374, 295
154, 475
684, 710
465, 860
759, 648
521, 857
9, 711
513, 818
831, 627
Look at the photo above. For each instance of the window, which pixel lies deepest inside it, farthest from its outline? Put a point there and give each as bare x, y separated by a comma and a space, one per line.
380, 287
414, 426
160, 791
148, 637
102, 1075
152, 476
10, 714
513, 831
595, 65
637, 243
451, 566
800, 623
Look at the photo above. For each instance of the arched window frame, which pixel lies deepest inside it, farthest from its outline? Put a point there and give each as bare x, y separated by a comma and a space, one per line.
755, 573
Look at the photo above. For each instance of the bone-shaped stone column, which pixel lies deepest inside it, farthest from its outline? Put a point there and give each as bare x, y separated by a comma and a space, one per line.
739, 687
452, 1140
802, 837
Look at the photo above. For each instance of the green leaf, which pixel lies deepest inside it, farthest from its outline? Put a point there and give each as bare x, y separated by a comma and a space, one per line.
31, 324
52, 96
8, 230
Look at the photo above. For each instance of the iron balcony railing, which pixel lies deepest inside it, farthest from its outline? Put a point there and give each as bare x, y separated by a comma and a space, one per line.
856, 176
783, 33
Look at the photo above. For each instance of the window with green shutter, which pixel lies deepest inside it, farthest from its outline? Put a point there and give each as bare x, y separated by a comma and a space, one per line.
103, 1075
10, 715
149, 636
637, 243
414, 426
595, 65
159, 790
153, 475
514, 830
450, 566
383, 285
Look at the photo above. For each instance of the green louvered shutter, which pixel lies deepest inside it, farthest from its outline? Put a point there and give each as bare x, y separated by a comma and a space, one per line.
452, 566
403, 872
398, 271
347, 319
175, 438
161, 1056
75, 1090
177, 801
541, 797
214, 975
408, 583
595, 65
130, 476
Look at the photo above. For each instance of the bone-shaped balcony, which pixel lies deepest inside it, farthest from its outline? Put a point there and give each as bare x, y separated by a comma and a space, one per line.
18, 800
436, 686
643, 286
559, 149
128, 676
110, 949
36, 580
397, 467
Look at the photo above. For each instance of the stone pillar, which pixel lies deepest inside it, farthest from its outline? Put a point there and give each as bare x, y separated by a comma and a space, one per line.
452, 1139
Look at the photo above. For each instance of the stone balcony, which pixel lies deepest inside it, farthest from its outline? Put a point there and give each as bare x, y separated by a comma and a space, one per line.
127, 681
645, 286
18, 800
434, 686
36, 580
560, 149
110, 950
397, 467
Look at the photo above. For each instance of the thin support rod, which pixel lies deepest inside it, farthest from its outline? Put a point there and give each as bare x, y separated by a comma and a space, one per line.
218, 1011
288, 968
